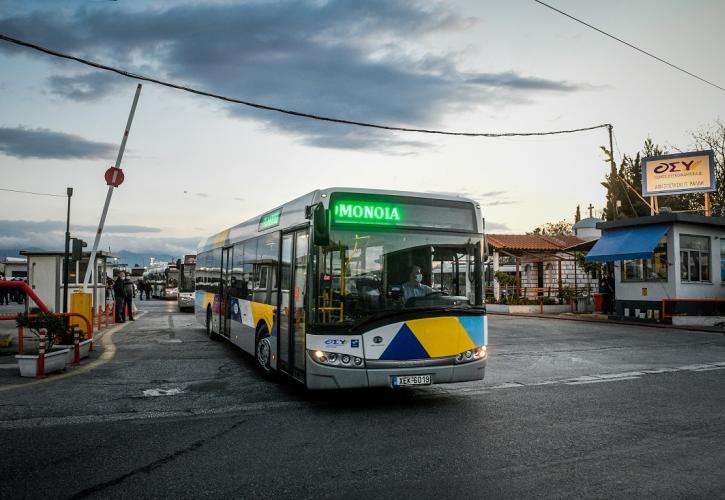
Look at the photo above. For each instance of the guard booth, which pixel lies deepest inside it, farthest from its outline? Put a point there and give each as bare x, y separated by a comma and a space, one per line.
670, 265
45, 277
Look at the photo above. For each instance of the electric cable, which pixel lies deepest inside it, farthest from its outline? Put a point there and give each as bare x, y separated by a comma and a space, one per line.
281, 110
678, 68
32, 192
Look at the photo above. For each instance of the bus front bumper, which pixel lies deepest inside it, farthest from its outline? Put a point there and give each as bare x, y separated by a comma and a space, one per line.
320, 377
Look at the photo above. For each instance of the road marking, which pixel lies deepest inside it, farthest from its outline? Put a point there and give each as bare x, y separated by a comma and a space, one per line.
162, 392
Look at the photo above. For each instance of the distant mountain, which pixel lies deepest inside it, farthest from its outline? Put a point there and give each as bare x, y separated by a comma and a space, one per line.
132, 259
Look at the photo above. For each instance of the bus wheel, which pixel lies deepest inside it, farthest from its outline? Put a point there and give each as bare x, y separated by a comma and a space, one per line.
209, 329
263, 351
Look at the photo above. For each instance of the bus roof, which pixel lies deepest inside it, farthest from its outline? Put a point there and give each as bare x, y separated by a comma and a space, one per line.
292, 213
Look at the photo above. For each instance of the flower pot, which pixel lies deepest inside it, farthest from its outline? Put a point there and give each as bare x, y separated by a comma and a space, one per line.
85, 347
54, 361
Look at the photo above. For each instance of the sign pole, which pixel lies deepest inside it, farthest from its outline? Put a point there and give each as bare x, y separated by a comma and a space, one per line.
708, 209
92, 261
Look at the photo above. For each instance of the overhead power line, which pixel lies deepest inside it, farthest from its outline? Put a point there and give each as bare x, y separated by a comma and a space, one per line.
678, 68
31, 192
281, 110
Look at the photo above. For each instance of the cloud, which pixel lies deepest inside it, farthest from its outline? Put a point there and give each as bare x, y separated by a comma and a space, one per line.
44, 143
18, 235
202, 195
496, 226
349, 59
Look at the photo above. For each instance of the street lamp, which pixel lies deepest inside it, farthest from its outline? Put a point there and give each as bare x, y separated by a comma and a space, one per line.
66, 259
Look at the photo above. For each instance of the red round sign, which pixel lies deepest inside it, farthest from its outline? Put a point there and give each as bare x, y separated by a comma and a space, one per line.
114, 176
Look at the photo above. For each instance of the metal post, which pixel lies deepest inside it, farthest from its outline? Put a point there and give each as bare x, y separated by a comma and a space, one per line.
76, 347
92, 261
66, 258
613, 173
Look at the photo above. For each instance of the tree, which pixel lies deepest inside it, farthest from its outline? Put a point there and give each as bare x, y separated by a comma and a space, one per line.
553, 228
713, 138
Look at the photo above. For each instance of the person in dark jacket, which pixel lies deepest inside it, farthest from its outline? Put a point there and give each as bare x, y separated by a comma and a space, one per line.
129, 293
119, 295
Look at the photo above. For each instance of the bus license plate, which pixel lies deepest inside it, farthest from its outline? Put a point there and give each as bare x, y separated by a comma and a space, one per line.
411, 380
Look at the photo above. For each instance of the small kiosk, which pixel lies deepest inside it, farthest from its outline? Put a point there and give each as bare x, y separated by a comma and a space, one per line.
45, 276
671, 257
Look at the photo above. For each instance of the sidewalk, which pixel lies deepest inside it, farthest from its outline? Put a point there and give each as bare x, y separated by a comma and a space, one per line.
9, 371
605, 319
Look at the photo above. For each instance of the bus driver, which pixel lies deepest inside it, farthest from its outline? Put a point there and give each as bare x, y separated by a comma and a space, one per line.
414, 286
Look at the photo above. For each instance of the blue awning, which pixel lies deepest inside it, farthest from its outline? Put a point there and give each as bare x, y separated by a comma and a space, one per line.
627, 244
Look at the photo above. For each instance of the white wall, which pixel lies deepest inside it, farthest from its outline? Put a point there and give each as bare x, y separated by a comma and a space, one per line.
44, 279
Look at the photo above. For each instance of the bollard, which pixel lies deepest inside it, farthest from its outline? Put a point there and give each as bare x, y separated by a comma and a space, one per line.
76, 347
541, 306
113, 313
40, 368
21, 340
100, 313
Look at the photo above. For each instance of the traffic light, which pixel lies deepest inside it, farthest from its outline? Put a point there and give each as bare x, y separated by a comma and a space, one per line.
77, 248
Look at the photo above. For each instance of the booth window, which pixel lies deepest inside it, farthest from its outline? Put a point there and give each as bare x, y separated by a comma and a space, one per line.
654, 269
694, 258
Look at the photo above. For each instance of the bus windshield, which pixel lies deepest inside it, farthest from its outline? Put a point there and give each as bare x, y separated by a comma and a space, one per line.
366, 273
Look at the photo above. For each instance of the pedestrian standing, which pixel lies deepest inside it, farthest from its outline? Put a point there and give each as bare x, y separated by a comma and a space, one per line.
129, 293
148, 290
120, 298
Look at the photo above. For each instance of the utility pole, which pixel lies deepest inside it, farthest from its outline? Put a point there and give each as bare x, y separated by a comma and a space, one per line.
66, 259
92, 261
613, 173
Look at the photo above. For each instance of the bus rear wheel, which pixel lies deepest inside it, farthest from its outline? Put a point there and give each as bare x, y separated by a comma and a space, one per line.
263, 351
209, 327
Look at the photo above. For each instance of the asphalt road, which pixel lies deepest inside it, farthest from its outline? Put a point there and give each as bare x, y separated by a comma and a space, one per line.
567, 410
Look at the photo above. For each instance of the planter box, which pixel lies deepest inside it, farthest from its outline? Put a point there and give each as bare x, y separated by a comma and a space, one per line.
54, 361
85, 348
528, 309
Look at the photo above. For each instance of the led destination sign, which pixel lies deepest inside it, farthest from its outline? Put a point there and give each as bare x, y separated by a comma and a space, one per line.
363, 212
362, 209
269, 220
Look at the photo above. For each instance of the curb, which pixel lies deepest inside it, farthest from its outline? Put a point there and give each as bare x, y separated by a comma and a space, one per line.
610, 322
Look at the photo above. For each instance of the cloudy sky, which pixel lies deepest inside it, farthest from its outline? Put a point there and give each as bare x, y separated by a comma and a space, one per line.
195, 165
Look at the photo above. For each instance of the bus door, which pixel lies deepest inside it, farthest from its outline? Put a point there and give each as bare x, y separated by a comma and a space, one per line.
293, 292
224, 292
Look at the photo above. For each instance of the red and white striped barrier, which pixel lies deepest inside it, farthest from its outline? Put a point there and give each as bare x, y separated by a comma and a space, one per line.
40, 370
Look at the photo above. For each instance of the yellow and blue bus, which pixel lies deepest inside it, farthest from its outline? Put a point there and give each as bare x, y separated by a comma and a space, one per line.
347, 287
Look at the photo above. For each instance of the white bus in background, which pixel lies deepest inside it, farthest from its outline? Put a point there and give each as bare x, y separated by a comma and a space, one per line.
164, 280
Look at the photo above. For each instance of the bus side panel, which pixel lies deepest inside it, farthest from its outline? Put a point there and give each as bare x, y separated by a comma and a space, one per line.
201, 301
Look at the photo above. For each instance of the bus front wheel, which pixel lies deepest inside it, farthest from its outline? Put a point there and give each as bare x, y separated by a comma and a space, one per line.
209, 327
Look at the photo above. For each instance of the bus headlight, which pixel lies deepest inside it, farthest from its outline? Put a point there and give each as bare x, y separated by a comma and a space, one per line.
335, 359
472, 355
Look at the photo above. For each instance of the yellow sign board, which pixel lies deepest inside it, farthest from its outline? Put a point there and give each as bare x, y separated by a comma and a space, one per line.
679, 173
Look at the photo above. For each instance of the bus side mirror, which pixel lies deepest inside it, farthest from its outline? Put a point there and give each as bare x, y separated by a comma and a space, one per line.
320, 226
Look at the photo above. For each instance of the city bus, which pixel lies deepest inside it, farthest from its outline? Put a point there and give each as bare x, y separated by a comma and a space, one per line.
344, 288
187, 286
164, 280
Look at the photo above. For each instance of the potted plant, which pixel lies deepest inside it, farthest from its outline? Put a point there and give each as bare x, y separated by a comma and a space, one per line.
54, 360
65, 340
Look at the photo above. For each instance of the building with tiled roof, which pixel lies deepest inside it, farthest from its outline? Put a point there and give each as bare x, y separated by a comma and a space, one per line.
541, 265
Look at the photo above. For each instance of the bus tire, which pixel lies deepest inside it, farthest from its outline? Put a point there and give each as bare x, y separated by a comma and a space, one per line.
209, 326
263, 351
